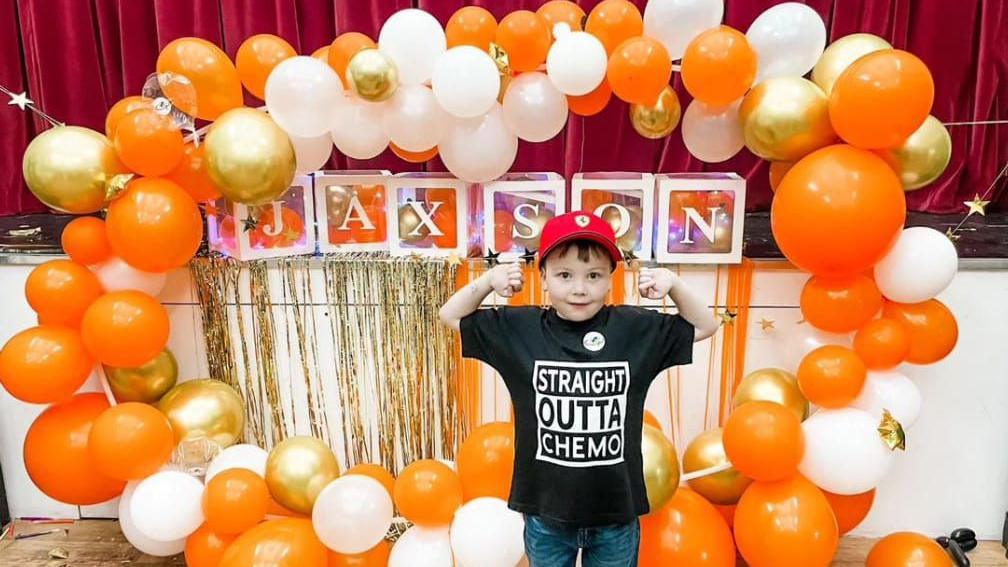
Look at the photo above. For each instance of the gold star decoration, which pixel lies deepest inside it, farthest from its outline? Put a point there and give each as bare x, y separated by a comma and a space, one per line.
117, 185
892, 432
454, 259
727, 317
951, 235
492, 258
291, 235
766, 324
20, 100
977, 205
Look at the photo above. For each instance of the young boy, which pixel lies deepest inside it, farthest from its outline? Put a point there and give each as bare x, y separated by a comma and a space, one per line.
578, 373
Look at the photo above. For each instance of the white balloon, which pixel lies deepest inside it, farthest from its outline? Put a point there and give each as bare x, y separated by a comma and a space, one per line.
788, 40
576, 63
466, 82
358, 129
414, 40
477, 546
533, 108
413, 119
806, 338
843, 451
479, 149
920, 266
116, 275
422, 547
242, 456
676, 22
712, 133
893, 391
352, 514
137, 539
167, 506
302, 94
311, 154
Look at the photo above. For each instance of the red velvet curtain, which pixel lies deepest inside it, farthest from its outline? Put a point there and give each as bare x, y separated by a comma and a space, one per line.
78, 57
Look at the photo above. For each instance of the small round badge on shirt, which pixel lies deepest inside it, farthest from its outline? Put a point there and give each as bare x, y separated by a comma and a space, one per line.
593, 341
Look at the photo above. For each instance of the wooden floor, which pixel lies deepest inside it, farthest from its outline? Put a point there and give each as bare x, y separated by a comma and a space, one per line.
95, 543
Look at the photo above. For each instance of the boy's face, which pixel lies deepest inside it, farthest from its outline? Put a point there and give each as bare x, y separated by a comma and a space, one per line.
577, 289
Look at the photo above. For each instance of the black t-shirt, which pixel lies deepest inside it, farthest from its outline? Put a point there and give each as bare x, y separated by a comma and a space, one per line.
578, 391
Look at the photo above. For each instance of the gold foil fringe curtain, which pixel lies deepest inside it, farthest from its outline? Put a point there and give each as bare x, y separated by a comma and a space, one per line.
346, 347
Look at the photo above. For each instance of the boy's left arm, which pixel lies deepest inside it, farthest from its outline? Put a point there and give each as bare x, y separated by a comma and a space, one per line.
655, 283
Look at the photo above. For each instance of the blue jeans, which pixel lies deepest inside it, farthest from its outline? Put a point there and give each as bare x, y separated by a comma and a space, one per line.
550, 544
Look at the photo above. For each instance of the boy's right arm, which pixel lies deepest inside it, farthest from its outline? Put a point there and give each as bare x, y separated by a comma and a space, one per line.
505, 279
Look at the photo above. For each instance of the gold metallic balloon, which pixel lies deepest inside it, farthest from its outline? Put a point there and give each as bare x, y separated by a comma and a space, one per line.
630, 240
707, 451
145, 384
205, 409
658, 120
923, 157
372, 75
661, 466
785, 118
67, 168
409, 220
840, 54
250, 159
772, 385
297, 470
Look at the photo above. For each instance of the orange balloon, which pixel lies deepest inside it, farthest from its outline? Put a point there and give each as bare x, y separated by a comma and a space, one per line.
344, 47
785, 523
191, 174
471, 25
613, 22
56, 453
131, 441
257, 57
289, 542
148, 143
377, 556
120, 109
427, 493
376, 472
850, 510
840, 305
486, 461
592, 103
719, 66
838, 211
907, 549
60, 291
84, 240
831, 376
881, 99
882, 343
125, 328
206, 548
639, 70
321, 53
727, 512
764, 441
688, 530
778, 169
562, 12
275, 509
932, 327
525, 38
234, 501
154, 225
213, 76
414, 157
45, 364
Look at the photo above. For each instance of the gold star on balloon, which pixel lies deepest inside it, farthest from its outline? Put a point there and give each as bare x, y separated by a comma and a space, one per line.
977, 205
892, 432
727, 317
454, 259
766, 324
117, 185
20, 100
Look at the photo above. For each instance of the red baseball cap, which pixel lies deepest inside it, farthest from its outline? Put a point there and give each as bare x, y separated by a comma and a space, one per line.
578, 225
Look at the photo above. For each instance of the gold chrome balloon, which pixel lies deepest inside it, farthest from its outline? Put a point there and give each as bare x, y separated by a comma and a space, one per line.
630, 239
67, 168
205, 409
145, 384
785, 118
707, 451
840, 54
372, 75
661, 466
772, 385
923, 157
409, 221
250, 159
658, 120
297, 470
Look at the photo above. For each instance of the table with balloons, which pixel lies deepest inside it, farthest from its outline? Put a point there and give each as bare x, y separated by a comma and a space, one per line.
845, 146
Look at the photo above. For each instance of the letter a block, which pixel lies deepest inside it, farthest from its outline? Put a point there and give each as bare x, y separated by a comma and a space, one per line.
352, 212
